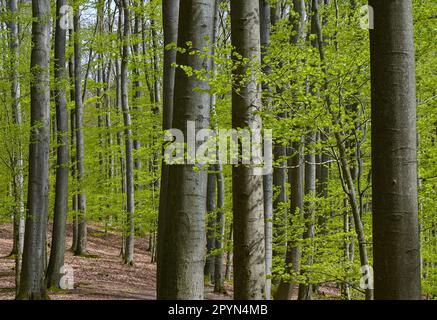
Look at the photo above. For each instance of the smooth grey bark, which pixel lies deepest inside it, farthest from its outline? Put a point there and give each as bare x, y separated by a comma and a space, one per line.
229, 267
265, 25
17, 161
170, 18
296, 179
248, 198
57, 251
211, 207
33, 267
396, 246
219, 234
219, 279
183, 243
129, 231
74, 204
81, 246
305, 289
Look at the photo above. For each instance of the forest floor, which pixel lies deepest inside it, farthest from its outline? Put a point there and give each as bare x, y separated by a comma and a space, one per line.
102, 276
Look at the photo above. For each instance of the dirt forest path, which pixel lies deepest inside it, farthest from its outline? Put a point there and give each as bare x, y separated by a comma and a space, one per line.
99, 277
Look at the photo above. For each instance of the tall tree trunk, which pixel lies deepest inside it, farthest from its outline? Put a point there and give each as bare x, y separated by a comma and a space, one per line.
305, 289
81, 248
17, 165
265, 25
248, 206
32, 274
296, 178
219, 280
394, 162
62, 162
170, 14
183, 243
211, 227
74, 204
130, 202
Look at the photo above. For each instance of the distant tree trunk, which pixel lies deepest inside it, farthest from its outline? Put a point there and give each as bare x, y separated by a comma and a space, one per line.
265, 25
128, 257
170, 18
61, 192
305, 289
296, 179
32, 274
211, 227
81, 248
183, 243
74, 204
219, 280
17, 165
394, 162
228, 270
248, 206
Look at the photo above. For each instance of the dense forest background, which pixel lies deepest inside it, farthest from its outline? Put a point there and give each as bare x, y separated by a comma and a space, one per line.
87, 88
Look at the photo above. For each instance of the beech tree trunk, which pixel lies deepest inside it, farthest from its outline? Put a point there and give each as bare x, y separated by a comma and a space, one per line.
170, 18
296, 179
81, 247
17, 161
396, 245
183, 242
248, 199
129, 231
57, 251
33, 267
211, 227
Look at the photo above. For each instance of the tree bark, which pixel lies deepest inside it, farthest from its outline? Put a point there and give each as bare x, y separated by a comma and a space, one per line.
57, 251
248, 206
296, 178
170, 14
128, 257
81, 248
211, 227
394, 162
183, 243
17, 161
33, 267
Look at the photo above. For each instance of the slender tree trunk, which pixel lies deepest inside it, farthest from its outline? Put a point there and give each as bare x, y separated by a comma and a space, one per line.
296, 178
211, 227
61, 192
81, 248
128, 257
306, 289
265, 25
32, 274
17, 165
394, 162
74, 203
183, 243
219, 280
229, 266
248, 206
170, 14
